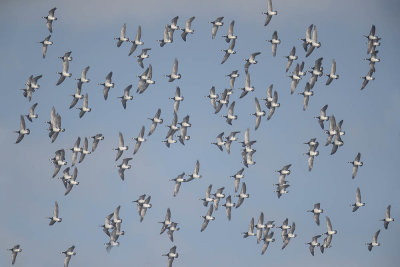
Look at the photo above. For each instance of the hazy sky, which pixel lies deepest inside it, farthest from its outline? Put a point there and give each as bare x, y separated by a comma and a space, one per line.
371, 123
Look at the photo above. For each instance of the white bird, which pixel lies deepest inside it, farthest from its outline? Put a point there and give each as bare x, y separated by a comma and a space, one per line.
75, 150
77, 95
64, 72
22, 130
314, 243
137, 41
312, 152
316, 211
307, 40
250, 232
155, 121
68, 184
83, 78
232, 77
107, 85
58, 161
32, 114
387, 219
113, 240
96, 140
121, 147
122, 36
374, 242
296, 77
68, 253
139, 140
230, 116
337, 142
314, 43
208, 197
216, 23
251, 60
85, 150
289, 235
213, 97
239, 175
217, 197
167, 221
67, 56
274, 41
195, 174
307, 93
274, 104
55, 125
247, 88
242, 195
55, 217
142, 56
269, 13
171, 255
178, 181
260, 227
332, 75
220, 142
292, 56
229, 51
173, 127
145, 80
367, 78
126, 96
267, 239
50, 18
174, 73
358, 201
143, 208
322, 116
187, 28
123, 166
230, 36
167, 36
268, 100
259, 113
45, 43
329, 227
172, 228
228, 206
173, 26
326, 244
356, 163
14, 252
229, 140
207, 218
85, 106
177, 99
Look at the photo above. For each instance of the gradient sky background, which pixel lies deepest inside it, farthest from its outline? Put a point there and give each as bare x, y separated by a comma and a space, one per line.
371, 121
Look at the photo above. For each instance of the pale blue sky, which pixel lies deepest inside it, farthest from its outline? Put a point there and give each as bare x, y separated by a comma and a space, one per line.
371, 122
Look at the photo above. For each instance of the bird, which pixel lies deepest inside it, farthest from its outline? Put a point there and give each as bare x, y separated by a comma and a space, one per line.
121, 147
174, 73
142, 56
326, 244
140, 201
64, 72
248, 158
329, 227
32, 114
230, 36
195, 174
173, 26
220, 142
373, 59
58, 161
316, 211
139, 140
77, 95
387, 219
224, 99
242, 195
307, 93
116, 218
85, 150
247, 88
213, 97
169, 141
371, 35
289, 235
316, 71
296, 77
55, 217
172, 228
217, 197
46, 42
269, 13
187, 28
14, 252
237, 176
337, 142
178, 181
215, 24
50, 18
274, 104
229, 140
143, 208
374, 242
307, 40
332, 129
367, 78
107, 85
230, 116
314, 43
122, 36
311, 154
251, 60
126, 96
260, 227
232, 77
22, 130
96, 140
358, 201
258, 114
75, 150
172, 254
250, 232
83, 78
68, 184
68, 253
314, 243
113, 240
274, 41
292, 56
267, 239
356, 163
167, 36
85, 106
208, 197
322, 116
177, 99
67, 56
155, 121
123, 166
228, 206
332, 75
229, 51
207, 218
136, 42
145, 80
55, 125
167, 222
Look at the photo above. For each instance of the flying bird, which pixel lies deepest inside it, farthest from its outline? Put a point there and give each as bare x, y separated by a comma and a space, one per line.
387, 219
269, 13
174, 73
358, 201
46, 42
374, 242
122, 36
216, 23
22, 130
14, 252
126, 96
136, 42
50, 18
55, 217
187, 28
274, 41
107, 85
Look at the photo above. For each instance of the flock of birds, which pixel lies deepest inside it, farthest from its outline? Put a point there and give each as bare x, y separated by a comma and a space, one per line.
263, 229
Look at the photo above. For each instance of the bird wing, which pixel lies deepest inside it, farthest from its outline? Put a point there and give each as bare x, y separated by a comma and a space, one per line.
175, 67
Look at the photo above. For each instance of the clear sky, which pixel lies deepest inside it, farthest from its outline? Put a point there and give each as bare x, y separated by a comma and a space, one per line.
371, 123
